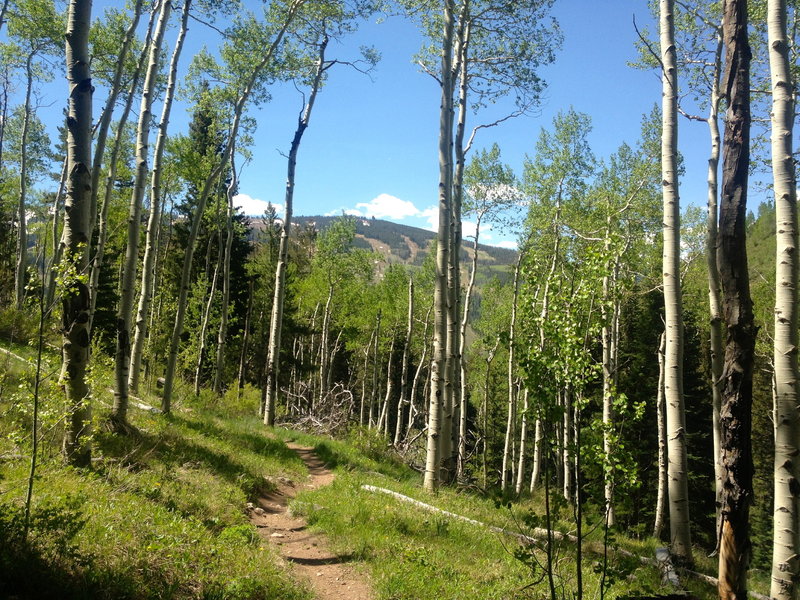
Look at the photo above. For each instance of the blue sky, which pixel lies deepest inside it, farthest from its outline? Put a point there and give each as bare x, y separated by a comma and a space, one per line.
371, 147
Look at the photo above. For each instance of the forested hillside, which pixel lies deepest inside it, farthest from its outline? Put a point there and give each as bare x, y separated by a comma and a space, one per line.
607, 410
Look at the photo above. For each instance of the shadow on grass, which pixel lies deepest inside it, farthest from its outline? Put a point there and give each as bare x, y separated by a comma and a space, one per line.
259, 444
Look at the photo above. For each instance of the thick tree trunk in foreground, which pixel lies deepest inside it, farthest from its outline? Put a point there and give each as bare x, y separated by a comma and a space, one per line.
438, 366
785, 548
119, 412
680, 537
76, 237
276, 318
154, 218
736, 383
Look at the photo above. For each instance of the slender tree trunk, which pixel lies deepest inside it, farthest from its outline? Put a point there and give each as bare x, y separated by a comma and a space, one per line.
663, 481
437, 380
111, 177
512, 400
154, 218
55, 259
737, 307
77, 236
566, 457
406, 360
462, 336
276, 318
412, 410
455, 338
383, 419
680, 536
22, 200
226, 282
373, 394
786, 545
201, 204
362, 416
119, 412
536, 468
714, 300
201, 336
523, 440
485, 413
108, 109
240, 378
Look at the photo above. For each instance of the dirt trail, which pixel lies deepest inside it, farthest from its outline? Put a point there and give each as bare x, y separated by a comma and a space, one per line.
329, 575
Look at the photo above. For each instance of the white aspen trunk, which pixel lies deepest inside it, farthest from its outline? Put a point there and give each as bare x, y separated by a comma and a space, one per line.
403, 401
276, 316
609, 389
77, 237
324, 344
523, 439
680, 536
456, 339
108, 111
383, 419
183, 293
154, 218
222, 336
111, 176
22, 199
512, 400
373, 394
119, 411
536, 468
485, 413
786, 529
438, 392
663, 480
362, 416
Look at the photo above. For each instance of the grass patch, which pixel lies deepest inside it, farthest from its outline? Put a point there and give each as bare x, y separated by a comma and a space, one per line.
160, 515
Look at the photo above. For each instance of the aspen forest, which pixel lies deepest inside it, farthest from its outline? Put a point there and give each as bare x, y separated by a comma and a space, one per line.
412, 300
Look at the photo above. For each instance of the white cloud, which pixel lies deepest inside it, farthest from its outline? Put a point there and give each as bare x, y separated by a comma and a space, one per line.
431, 214
386, 205
253, 207
507, 244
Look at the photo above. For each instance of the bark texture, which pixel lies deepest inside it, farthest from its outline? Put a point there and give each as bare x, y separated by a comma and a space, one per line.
785, 546
438, 366
76, 236
122, 359
680, 537
736, 382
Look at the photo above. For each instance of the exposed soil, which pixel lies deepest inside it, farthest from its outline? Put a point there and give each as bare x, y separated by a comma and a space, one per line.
329, 575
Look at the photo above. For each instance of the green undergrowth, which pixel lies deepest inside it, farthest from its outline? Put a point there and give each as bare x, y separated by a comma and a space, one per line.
414, 554
161, 514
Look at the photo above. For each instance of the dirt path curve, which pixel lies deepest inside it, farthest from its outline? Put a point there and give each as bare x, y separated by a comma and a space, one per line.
328, 575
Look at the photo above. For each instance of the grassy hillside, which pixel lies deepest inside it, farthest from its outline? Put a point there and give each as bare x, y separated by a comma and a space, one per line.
162, 512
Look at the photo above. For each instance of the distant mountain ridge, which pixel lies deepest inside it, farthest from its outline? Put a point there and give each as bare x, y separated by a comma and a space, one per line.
409, 245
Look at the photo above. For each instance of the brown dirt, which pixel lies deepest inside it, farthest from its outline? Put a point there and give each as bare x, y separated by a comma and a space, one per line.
327, 574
